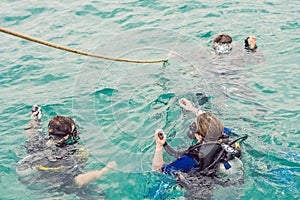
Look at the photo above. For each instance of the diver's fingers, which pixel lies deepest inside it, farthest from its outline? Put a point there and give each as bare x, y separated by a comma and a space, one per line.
35, 108
112, 165
186, 104
160, 137
36, 114
182, 101
158, 131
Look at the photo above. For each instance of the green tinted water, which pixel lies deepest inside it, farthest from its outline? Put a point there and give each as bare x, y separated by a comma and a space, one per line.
119, 105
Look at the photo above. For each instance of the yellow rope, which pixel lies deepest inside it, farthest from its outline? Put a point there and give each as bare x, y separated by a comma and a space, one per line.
26, 37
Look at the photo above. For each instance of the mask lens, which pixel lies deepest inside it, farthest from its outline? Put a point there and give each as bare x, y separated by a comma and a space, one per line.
192, 131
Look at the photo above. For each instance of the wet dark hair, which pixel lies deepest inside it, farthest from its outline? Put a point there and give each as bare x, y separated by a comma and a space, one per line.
60, 125
247, 43
223, 39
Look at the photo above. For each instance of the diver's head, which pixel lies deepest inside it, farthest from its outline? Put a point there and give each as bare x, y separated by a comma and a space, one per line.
222, 44
63, 130
250, 43
207, 127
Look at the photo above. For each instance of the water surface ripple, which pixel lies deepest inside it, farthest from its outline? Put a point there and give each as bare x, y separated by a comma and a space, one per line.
118, 106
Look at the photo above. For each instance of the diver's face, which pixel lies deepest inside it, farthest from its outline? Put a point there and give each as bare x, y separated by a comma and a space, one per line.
193, 131
57, 139
198, 137
222, 48
60, 136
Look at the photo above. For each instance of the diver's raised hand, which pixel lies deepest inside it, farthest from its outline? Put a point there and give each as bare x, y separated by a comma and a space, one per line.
36, 113
160, 137
111, 165
35, 120
187, 105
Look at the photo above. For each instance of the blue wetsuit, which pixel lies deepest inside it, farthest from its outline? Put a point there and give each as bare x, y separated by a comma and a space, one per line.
184, 164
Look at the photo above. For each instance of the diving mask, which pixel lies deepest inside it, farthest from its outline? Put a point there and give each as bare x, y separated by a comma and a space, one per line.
222, 48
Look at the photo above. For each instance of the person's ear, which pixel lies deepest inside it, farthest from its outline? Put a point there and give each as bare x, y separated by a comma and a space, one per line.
198, 137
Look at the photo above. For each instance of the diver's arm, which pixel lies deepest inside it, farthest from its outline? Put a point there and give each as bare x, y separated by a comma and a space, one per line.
87, 177
35, 120
187, 105
172, 152
158, 159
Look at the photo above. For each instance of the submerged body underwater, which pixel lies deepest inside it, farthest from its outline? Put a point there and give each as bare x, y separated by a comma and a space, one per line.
118, 105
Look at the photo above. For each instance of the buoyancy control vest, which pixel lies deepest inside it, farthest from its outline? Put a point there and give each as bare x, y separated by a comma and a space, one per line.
208, 155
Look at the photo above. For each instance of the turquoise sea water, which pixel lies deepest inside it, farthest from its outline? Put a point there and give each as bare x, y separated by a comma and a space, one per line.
118, 106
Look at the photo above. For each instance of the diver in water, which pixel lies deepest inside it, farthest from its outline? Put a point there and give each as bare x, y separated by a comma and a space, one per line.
222, 44
56, 159
214, 153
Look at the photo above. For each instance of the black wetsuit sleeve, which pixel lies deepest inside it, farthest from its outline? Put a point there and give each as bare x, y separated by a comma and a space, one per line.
35, 141
172, 151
